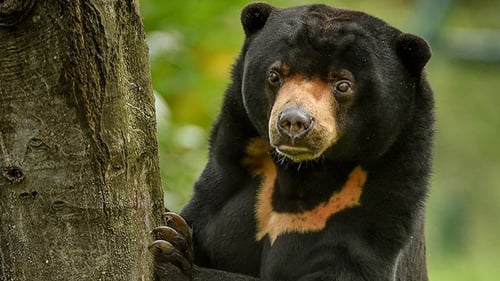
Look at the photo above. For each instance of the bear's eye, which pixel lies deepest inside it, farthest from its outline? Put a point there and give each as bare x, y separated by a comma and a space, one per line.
342, 87
274, 78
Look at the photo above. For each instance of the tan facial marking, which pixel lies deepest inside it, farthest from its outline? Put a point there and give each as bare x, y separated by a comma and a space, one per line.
274, 224
315, 96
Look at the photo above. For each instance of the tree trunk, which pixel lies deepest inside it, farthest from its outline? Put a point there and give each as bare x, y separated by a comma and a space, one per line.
79, 180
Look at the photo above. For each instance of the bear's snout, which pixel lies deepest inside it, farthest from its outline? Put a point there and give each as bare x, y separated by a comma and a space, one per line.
302, 123
294, 122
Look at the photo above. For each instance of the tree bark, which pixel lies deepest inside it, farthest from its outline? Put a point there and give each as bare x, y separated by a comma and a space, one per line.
79, 180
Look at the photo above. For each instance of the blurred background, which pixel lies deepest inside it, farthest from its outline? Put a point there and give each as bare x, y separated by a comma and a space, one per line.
193, 44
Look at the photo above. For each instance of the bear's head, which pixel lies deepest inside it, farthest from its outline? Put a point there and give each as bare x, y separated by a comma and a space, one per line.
320, 82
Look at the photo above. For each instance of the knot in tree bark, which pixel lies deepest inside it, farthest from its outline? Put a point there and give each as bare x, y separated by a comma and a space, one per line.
13, 173
13, 12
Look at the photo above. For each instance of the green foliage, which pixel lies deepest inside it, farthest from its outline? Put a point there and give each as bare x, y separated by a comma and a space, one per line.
193, 43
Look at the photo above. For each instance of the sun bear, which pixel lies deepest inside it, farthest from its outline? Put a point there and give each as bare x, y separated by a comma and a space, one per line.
320, 157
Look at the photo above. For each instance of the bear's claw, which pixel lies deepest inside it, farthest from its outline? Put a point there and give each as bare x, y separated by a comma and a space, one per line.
164, 251
178, 223
174, 243
171, 235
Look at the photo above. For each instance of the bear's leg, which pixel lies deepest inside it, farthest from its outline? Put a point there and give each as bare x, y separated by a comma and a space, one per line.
175, 247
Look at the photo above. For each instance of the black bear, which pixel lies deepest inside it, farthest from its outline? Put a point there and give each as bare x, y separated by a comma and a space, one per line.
320, 157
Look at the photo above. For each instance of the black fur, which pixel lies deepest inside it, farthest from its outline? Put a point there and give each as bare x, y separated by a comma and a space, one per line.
387, 129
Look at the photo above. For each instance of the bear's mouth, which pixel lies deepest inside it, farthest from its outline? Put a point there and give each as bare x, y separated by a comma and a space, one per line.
297, 153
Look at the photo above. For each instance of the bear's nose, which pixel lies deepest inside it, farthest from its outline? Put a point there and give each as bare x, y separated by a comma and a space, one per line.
295, 121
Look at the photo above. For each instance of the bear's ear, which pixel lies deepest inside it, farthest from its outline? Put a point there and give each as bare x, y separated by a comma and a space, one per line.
413, 51
254, 16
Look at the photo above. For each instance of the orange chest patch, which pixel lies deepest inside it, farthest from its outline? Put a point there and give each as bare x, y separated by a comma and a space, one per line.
273, 223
